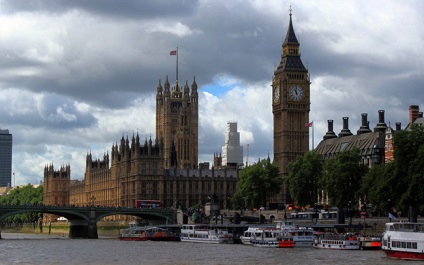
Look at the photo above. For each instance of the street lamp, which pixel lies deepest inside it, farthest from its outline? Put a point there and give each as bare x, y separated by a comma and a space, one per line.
92, 200
74, 200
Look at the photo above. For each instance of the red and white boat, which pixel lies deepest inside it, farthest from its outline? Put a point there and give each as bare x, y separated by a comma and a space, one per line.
271, 237
302, 236
404, 240
144, 233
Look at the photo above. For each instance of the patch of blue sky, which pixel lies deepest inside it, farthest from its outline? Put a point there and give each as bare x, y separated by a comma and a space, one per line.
221, 84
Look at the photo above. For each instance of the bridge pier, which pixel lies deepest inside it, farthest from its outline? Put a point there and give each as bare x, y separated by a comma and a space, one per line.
82, 229
92, 225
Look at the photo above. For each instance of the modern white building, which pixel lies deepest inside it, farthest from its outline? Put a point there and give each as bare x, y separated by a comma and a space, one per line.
232, 152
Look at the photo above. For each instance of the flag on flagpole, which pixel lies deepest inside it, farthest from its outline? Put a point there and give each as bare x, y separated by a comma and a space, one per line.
309, 124
174, 52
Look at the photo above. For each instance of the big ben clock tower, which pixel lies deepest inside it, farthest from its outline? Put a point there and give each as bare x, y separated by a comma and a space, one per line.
290, 107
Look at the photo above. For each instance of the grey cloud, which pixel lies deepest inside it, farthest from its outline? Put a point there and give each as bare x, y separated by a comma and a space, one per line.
111, 8
53, 112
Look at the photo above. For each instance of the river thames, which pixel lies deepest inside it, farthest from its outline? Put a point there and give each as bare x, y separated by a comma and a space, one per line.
18, 248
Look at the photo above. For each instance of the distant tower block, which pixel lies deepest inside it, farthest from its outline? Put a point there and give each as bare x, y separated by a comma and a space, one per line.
232, 152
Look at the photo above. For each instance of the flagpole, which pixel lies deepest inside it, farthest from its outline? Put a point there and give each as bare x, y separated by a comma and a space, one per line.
313, 135
177, 64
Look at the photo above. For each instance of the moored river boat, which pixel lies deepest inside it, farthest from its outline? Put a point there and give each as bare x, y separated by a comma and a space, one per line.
145, 233
404, 240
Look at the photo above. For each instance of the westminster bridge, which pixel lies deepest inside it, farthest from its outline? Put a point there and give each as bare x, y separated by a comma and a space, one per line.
83, 220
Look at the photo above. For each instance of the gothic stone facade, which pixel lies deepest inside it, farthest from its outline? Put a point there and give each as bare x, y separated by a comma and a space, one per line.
290, 107
137, 171
177, 122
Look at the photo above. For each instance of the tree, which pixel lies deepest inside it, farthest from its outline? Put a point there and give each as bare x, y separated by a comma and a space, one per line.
258, 183
409, 155
27, 195
379, 186
303, 178
342, 177
237, 201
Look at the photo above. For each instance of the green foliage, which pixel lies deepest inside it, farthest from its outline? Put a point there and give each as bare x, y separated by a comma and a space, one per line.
258, 183
303, 178
379, 186
27, 195
342, 177
409, 160
237, 201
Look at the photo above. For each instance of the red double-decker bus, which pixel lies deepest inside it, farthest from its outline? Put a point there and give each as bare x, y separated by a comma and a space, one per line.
148, 204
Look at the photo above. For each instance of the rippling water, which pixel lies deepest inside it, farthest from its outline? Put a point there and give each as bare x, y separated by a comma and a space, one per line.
53, 249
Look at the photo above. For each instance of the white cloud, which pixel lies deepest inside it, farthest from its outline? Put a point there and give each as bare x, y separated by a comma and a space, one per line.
75, 80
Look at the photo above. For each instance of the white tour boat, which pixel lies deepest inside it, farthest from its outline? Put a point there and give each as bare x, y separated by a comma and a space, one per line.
266, 237
252, 233
404, 240
336, 241
302, 236
204, 234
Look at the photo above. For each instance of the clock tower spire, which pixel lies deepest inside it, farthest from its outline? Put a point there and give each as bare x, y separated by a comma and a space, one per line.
290, 107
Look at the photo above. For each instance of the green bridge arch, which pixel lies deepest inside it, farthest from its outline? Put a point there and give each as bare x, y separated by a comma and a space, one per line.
83, 220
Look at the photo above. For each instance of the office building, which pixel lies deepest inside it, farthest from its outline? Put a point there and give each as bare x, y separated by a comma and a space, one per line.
5, 158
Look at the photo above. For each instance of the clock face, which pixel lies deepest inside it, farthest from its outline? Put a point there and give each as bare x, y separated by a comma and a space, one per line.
276, 93
296, 93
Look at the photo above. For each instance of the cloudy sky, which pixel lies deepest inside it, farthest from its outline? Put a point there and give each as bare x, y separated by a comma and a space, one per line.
75, 76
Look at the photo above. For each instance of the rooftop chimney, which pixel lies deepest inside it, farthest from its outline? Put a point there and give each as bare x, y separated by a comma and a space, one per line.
414, 112
330, 134
381, 125
345, 131
398, 128
365, 125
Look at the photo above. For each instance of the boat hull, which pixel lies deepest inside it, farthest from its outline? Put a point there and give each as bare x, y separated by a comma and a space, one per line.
337, 244
151, 238
404, 255
273, 244
207, 241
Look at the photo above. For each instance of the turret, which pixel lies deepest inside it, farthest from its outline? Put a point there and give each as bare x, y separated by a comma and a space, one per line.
166, 92
194, 88
186, 91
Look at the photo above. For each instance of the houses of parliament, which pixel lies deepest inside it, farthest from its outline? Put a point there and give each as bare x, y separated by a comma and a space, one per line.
166, 168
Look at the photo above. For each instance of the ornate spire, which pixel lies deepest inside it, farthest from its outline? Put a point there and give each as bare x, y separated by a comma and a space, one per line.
290, 54
186, 90
159, 88
167, 85
290, 36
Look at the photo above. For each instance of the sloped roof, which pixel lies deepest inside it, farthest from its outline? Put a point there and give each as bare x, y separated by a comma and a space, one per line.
419, 121
364, 142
